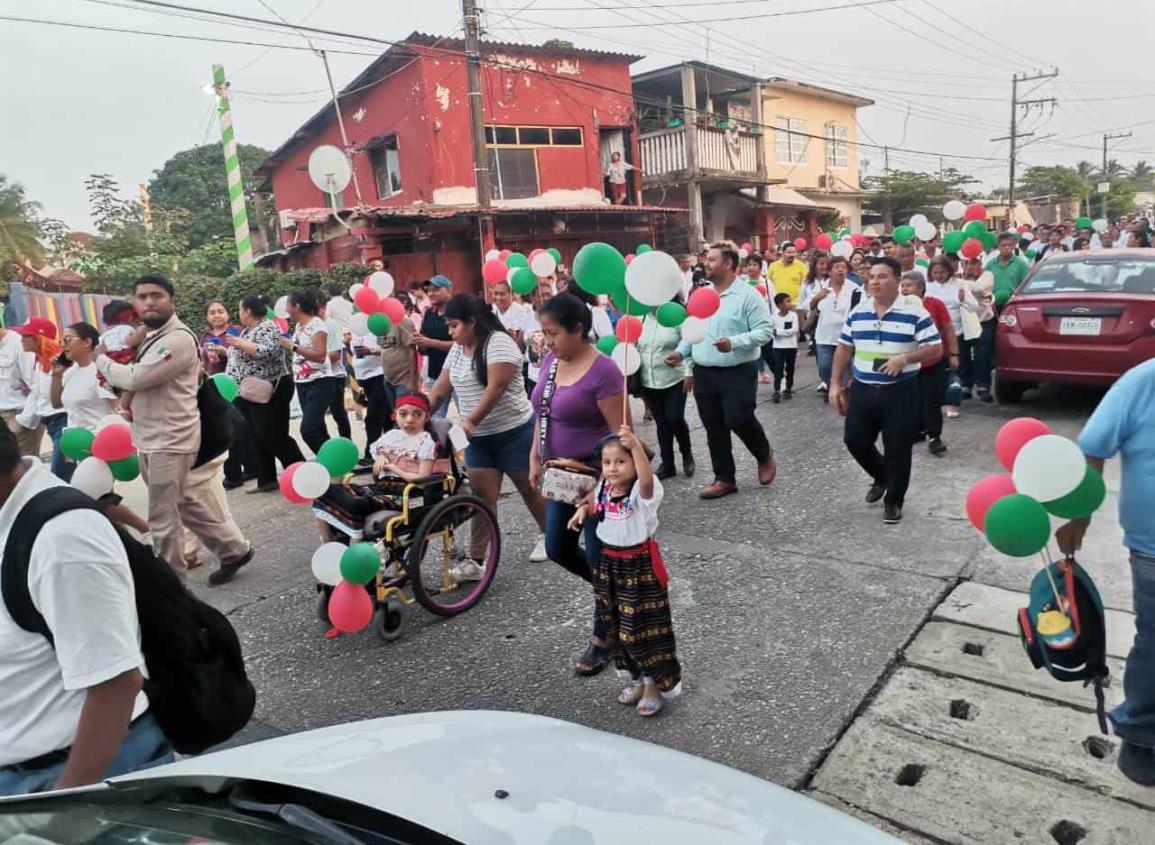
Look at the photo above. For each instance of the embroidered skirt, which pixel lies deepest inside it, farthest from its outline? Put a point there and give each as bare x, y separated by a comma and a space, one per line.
635, 606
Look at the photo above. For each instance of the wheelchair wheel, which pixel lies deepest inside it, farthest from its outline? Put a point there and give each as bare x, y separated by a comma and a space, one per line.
387, 620
454, 555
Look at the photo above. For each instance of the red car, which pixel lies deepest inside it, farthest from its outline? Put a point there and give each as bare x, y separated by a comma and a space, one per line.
1078, 318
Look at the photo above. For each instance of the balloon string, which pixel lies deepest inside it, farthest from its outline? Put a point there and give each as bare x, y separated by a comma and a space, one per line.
1046, 556
625, 377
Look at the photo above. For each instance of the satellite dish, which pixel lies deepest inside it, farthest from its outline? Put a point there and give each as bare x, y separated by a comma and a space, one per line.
329, 169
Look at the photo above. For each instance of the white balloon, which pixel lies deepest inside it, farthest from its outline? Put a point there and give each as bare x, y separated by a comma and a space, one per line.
627, 357
925, 231
509, 275
111, 419
954, 210
93, 477
693, 330
355, 289
311, 480
1099, 225
842, 249
1049, 467
381, 282
1026, 236
492, 254
281, 309
543, 265
326, 563
653, 278
742, 253
918, 220
359, 324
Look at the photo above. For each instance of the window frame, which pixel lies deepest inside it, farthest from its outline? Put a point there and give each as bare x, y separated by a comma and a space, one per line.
835, 145
790, 132
379, 146
491, 132
496, 185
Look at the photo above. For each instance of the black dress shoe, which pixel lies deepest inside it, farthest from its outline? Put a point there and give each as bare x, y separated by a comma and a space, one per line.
228, 571
892, 514
665, 471
233, 483
876, 492
936, 446
688, 466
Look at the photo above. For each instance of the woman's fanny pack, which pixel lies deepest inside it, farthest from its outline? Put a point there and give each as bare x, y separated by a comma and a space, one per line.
567, 481
256, 390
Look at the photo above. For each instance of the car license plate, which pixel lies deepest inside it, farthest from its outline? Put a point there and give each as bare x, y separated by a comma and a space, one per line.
1080, 325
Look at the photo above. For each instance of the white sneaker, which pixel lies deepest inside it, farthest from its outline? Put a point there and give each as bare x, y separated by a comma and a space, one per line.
538, 554
466, 570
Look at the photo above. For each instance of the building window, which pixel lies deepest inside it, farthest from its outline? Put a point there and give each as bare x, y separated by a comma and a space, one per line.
836, 145
512, 173
533, 136
790, 140
386, 167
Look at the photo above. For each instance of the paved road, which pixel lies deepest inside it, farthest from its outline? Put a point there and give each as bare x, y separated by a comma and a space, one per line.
790, 604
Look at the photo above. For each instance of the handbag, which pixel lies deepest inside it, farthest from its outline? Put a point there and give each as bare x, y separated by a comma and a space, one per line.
564, 480
256, 390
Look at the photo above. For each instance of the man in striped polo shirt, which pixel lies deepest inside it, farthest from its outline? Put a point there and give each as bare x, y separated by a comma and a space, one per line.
887, 337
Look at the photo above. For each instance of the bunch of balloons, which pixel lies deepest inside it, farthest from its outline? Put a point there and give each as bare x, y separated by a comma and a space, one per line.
376, 310
1048, 476
103, 456
347, 569
647, 283
304, 481
519, 270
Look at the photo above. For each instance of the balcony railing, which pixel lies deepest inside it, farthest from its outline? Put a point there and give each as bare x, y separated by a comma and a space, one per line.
722, 150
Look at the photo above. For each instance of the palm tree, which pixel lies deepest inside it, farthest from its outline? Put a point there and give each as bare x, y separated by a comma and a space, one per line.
1142, 175
1114, 170
19, 224
1086, 170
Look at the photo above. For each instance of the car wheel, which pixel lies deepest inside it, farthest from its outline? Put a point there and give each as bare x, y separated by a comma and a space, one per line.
1008, 392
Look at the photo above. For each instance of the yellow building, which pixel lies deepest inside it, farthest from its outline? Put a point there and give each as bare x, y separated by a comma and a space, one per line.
812, 147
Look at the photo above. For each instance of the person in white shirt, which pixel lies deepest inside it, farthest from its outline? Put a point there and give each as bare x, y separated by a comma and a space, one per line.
954, 293
369, 370
783, 356
38, 337
829, 306
71, 710
686, 265
616, 172
338, 308
512, 315
15, 384
75, 387
906, 258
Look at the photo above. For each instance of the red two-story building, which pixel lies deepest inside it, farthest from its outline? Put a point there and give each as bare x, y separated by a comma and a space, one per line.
553, 117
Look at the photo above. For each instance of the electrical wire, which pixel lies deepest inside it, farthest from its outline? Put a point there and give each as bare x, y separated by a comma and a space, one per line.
744, 18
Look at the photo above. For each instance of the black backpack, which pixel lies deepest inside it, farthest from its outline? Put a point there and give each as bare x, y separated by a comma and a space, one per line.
197, 688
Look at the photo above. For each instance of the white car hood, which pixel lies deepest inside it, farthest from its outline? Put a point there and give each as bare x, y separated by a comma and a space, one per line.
564, 784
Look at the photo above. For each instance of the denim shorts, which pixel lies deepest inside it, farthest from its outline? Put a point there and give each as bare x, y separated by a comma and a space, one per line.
506, 452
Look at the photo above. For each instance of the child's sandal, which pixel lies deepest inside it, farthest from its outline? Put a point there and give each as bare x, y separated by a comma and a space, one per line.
632, 694
650, 706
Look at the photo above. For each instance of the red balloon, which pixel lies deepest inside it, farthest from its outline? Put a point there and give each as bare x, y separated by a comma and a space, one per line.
494, 271
350, 607
975, 211
504, 254
630, 257
282, 324
1024, 228
985, 493
628, 329
800, 243
824, 241
113, 443
761, 289
393, 309
703, 303
367, 300
746, 246
285, 482
1014, 435
971, 248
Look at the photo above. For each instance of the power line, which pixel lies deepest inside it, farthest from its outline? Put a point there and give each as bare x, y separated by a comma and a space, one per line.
783, 14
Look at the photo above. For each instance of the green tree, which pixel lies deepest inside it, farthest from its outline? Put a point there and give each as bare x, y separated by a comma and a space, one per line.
1142, 176
1055, 180
194, 181
20, 225
1086, 170
1120, 199
903, 193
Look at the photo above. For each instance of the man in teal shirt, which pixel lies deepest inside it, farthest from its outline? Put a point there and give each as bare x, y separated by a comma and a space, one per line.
725, 372
1124, 425
1008, 269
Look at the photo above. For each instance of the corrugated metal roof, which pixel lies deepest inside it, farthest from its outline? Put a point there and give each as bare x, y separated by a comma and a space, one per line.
426, 40
444, 212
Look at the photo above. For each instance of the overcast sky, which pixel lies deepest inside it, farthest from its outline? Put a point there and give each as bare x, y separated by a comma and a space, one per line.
77, 102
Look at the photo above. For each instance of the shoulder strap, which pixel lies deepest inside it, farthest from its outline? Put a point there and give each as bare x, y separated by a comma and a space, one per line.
855, 296
42, 507
547, 392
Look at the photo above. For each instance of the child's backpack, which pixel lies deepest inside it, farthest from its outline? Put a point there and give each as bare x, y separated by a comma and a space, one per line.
197, 688
1070, 652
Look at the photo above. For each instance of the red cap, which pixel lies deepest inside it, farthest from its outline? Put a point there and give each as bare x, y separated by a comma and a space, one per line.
417, 400
37, 327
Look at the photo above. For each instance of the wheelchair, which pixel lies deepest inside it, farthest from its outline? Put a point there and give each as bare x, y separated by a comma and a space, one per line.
428, 532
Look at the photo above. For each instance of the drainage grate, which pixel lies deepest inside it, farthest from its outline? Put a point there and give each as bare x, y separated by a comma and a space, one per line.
910, 774
1068, 833
963, 709
974, 649
1098, 747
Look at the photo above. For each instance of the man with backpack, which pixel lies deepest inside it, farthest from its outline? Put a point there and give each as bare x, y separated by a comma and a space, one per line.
71, 708
1122, 425
165, 381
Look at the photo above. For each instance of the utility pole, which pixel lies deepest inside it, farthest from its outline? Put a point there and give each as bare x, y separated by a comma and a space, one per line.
1106, 177
886, 160
341, 124
233, 171
1015, 135
477, 109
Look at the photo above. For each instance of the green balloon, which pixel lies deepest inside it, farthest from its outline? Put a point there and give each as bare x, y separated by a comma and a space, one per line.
1017, 525
606, 344
126, 469
642, 249
922, 262
360, 562
975, 229
76, 443
1083, 223
523, 281
599, 268
903, 234
338, 455
1002, 297
227, 385
379, 324
517, 259
626, 304
1083, 501
990, 240
953, 241
671, 314
555, 252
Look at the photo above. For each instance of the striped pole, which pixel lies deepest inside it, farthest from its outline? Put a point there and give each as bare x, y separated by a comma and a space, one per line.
233, 171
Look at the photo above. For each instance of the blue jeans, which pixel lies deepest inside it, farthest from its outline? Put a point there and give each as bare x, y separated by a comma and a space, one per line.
562, 546
824, 353
978, 359
1134, 719
144, 746
61, 468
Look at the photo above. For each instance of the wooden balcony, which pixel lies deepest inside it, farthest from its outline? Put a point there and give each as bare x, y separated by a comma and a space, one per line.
720, 153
